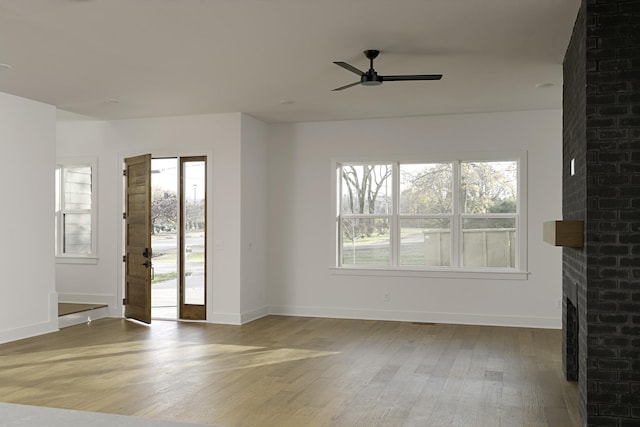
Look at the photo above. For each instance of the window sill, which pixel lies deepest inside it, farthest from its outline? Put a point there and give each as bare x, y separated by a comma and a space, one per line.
76, 260
442, 274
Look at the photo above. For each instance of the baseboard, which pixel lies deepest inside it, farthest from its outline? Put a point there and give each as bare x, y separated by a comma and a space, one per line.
250, 316
418, 316
82, 317
237, 319
224, 318
53, 306
28, 331
35, 329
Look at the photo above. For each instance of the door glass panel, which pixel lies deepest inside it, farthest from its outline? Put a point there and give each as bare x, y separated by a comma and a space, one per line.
164, 241
194, 190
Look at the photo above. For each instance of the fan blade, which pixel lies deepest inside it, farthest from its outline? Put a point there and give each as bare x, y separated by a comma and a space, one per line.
410, 77
347, 86
349, 67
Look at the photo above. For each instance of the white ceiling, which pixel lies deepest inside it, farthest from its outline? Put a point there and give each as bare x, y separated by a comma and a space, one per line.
114, 59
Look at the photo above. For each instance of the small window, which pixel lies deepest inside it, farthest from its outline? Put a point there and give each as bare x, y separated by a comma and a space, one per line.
75, 210
452, 215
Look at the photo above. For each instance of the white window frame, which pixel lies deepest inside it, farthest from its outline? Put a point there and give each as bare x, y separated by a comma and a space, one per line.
92, 257
519, 272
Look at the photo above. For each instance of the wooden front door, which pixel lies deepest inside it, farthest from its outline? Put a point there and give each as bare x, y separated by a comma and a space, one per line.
138, 238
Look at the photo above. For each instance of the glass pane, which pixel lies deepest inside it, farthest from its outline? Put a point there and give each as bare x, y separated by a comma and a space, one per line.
425, 242
164, 242
365, 241
77, 233
77, 188
489, 242
489, 187
366, 189
426, 188
194, 233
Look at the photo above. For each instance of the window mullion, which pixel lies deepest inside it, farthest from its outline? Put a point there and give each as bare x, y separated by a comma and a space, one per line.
93, 212
456, 222
395, 222
63, 211
338, 213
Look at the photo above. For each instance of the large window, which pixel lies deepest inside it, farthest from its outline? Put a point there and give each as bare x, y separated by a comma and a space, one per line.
75, 210
431, 215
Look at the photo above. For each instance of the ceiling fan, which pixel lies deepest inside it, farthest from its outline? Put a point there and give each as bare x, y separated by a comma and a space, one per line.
372, 78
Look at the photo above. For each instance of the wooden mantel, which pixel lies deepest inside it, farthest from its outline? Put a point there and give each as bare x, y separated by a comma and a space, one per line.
564, 233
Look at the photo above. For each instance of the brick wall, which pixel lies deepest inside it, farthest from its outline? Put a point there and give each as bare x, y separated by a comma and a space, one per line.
574, 195
606, 42
574, 190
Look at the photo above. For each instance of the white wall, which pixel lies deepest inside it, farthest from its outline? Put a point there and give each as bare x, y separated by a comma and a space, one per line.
253, 238
291, 173
215, 135
94, 283
28, 302
301, 252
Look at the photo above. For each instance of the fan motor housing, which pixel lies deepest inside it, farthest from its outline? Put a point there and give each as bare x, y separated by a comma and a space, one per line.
371, 78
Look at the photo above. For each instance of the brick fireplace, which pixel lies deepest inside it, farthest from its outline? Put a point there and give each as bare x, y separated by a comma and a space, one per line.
601, 282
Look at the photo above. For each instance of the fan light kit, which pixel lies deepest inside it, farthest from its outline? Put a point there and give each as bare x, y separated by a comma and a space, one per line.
372, 78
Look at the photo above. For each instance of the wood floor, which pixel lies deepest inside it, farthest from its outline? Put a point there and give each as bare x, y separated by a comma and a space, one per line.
291, 371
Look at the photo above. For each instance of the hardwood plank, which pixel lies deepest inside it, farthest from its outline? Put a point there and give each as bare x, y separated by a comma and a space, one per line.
288, 371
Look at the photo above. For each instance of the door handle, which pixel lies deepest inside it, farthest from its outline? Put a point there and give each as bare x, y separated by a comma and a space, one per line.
153, 272
146, 253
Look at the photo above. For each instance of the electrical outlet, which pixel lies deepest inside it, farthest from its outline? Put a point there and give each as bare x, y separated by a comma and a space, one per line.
387, 296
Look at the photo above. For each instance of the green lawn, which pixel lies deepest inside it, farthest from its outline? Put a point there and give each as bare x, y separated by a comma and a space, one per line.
164, 277
410, 255
171, 257
366, 251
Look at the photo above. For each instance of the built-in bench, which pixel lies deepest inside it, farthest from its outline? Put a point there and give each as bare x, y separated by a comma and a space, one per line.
70, 314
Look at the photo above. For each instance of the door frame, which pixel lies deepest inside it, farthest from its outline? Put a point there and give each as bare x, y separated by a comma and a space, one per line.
190, 311
208, 153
